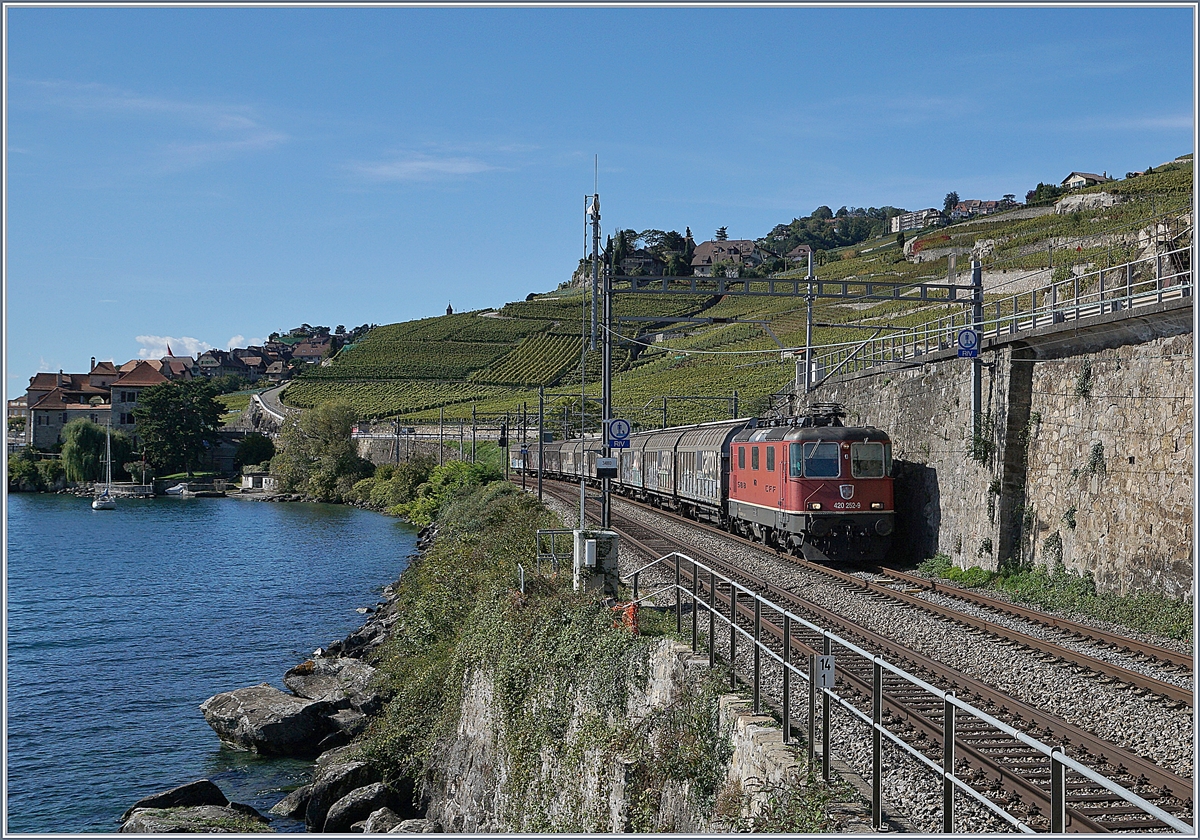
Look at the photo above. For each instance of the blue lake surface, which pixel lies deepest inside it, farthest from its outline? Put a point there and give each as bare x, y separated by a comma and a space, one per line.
120, 623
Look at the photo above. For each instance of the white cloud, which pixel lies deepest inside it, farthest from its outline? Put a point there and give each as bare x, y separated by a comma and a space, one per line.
155, 346
242, 341
228, 129
420, 167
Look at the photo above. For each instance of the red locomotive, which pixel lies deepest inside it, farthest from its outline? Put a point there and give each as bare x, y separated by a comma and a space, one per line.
788, 483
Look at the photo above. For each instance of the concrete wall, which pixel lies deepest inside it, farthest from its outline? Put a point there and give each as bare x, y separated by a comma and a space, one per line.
1112, 450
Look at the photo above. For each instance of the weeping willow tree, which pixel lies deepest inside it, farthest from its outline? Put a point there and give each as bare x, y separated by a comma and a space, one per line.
83, 450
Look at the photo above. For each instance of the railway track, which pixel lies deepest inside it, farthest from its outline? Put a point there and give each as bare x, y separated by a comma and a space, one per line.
996, 763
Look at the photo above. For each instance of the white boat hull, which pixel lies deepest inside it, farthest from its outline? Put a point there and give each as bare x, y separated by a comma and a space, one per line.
104, 503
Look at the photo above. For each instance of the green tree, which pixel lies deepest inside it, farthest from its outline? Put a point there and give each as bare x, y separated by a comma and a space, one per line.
83, 451
316, 455
23, 472
178, 422
722, 234
254, 449
949, 203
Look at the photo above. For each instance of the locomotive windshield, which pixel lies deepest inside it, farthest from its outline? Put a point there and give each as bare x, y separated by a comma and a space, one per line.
867, 460
819, 460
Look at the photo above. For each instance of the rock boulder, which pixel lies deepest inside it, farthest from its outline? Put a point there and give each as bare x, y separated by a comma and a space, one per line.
356, 805
208, 819
265, 720
341, 680
192, 794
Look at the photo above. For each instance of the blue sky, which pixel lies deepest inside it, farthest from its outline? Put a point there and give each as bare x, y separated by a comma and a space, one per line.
215, 174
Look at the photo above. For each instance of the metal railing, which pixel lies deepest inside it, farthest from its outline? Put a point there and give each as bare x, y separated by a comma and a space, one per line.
1144, 282
1058, 762
547, 547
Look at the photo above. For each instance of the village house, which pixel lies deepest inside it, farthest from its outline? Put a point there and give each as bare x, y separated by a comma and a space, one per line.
739, 252
220, 363
55, 399
1078, 180
126, 390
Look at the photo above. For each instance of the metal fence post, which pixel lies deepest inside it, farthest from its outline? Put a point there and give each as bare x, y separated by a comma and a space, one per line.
1129, 282
678, 599
757, 651
877, 744
812, 710
1058, 793
787, 681
695, 608
828, 649
948, 766
732, 635
712, 619
635, 585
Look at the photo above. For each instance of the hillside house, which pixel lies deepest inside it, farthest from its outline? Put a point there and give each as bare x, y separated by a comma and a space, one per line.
799, 254
1079, 180
974, 207
311, 351
739, 252
643, 263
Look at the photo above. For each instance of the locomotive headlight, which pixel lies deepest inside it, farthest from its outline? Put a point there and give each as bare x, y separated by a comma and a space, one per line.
814, 506
876, 505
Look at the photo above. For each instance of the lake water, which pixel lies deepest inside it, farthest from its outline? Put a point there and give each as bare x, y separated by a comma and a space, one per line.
120, 623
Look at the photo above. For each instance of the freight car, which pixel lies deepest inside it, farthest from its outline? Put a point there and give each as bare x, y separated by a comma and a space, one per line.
787, 483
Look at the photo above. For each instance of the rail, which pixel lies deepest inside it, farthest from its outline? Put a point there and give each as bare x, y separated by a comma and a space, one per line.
1144, 282
1058, 762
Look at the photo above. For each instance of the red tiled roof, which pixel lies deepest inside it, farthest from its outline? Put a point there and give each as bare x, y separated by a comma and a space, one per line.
142, 374
102, 368
78, 382
57, 400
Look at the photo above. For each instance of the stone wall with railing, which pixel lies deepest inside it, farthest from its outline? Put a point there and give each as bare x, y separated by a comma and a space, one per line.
1085, 455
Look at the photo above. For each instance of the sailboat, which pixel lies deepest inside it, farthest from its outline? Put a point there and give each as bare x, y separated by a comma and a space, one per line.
105, 501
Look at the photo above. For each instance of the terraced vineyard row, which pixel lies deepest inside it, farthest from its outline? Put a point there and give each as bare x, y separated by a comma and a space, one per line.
538, 360
411, 360
384, 399
463, 326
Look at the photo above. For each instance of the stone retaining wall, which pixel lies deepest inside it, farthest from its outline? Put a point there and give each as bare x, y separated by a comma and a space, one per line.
1110, 451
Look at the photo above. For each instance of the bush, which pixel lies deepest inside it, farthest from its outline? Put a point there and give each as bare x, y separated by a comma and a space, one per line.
23, 472
936, 566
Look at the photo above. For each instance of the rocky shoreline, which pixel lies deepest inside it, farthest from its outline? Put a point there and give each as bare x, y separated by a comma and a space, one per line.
332, 699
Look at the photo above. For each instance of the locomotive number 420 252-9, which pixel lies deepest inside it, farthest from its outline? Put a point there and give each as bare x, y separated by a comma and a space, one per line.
847, 505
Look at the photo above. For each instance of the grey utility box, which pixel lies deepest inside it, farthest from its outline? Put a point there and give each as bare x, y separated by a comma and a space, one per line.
596, 562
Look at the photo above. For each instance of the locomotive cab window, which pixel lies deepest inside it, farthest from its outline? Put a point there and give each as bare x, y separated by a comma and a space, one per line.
821, 460
796, 468
770, 459
741, 457
867, 461
753, 457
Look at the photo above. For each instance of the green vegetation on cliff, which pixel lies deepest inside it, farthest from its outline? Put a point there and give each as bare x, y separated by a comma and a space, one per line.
461, 615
